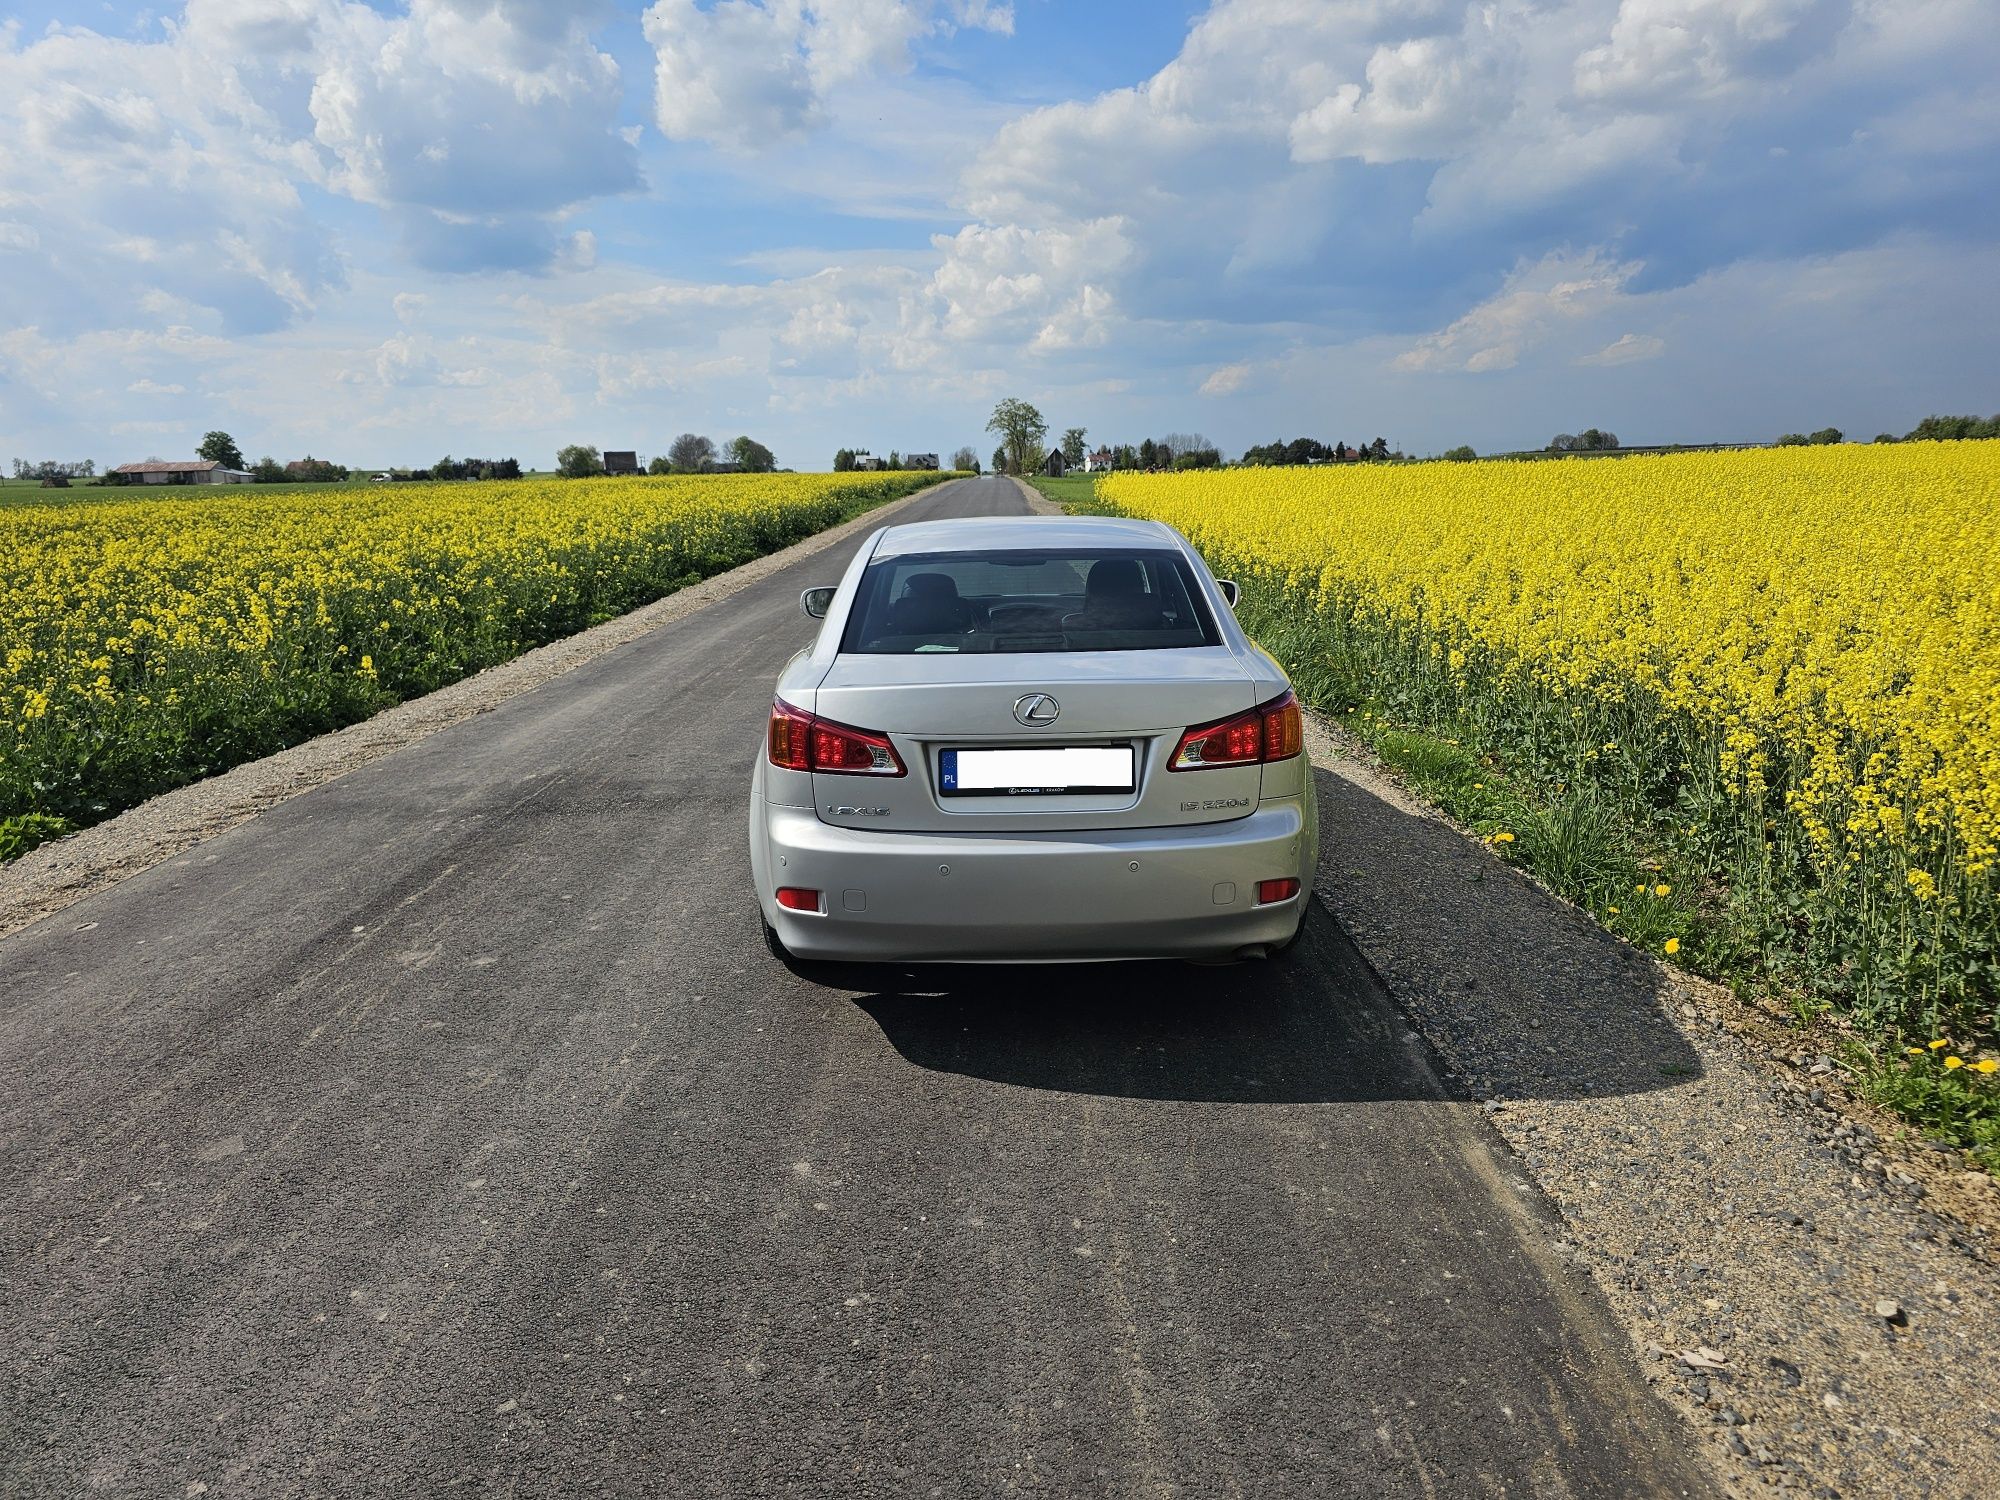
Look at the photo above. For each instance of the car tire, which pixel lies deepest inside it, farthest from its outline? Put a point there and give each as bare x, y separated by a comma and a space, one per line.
774, 943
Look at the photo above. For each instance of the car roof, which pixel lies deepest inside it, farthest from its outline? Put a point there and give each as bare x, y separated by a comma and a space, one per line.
1003, 533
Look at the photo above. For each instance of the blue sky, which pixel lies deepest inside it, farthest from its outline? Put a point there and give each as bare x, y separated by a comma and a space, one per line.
384, 232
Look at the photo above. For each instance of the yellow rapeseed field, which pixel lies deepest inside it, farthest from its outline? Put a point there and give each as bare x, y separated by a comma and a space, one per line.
149, 639
1788, 659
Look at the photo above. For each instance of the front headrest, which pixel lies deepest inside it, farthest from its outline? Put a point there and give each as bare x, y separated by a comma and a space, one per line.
929, 586
1114, 578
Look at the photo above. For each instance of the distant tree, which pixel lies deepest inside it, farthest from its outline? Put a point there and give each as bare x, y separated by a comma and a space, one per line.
578, 461
1591, 440
449, 468
965, 461
267, 470
1124, 456
691, 453
1953, 429
310, 470
1793, 440
507, 468
895, 460
1461, 454
1886, 437
1198, 458
752, 455
1149, 453
1184, 442
1827, 436
220, 448
1378, 449
1022, 433
1000, 459
1072, 446
1562, 442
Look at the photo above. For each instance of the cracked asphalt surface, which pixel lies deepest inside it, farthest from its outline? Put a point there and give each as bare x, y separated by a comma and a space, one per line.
446, 1128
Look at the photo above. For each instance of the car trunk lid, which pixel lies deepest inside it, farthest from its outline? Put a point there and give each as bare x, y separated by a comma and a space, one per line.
1137, 701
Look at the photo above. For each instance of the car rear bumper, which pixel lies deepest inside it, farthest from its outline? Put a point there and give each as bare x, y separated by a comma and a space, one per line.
1042, 897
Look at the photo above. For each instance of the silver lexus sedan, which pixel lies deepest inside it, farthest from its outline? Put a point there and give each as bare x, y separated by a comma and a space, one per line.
1031, 739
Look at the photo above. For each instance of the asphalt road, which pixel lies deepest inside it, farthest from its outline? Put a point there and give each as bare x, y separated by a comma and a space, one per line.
448, 1129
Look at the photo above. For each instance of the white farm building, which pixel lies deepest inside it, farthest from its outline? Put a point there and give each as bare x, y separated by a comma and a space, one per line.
181, 471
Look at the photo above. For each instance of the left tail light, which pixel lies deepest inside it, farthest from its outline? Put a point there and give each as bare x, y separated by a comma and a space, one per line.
799, 741
1271, 731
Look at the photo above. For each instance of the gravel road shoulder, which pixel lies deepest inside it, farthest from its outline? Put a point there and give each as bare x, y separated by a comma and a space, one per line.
1826, 1321
66, 870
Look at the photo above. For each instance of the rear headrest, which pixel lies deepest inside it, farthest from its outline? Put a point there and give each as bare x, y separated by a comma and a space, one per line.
929, 586
1114, 578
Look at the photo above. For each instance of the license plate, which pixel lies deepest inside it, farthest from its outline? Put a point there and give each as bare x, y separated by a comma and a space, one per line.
1045, 772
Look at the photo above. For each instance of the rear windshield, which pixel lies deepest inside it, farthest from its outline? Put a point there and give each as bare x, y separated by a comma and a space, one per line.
1029, 600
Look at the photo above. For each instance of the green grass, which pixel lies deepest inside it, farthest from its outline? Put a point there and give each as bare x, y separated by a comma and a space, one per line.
1074, 489
22, 831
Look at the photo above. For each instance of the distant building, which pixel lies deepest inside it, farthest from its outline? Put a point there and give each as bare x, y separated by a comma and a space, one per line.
920, 461
1053, 465
869, 461
620, 461
182, 471
1098, 462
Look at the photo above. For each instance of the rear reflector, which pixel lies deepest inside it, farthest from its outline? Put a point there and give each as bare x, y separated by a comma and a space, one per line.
1270, 891
797, 898
800, 741
1271, 731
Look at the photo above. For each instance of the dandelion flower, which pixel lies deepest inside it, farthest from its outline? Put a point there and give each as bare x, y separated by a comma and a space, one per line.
1986, 1065
1673, 945
1662, 889
1953, 1062
1612, 910
1503, 838
1943, 1041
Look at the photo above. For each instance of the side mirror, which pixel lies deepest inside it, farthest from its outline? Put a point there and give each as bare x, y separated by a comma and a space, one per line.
816, 602
1229, 590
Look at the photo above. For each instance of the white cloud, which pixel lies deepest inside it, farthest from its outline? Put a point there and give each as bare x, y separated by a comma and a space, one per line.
1044, 285
1661, 51
1226, 380
1425, 97
747, 74
1626, 349
175, 169
154, 388
1533, 304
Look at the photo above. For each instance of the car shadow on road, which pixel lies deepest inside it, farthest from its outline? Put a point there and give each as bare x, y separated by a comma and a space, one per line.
1308, 1027
1521, 995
